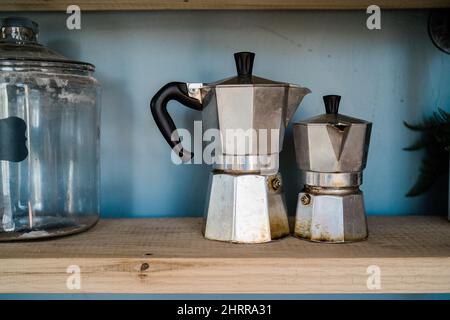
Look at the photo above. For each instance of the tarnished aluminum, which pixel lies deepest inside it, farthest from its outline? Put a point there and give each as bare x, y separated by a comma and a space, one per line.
247, 115
251, 118
331, 151
332, 180
245, 208
258, 164
245, 202
332, 146
331, 218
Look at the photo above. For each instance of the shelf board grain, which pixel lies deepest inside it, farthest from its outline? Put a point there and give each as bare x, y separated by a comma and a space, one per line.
171, 256
112, 5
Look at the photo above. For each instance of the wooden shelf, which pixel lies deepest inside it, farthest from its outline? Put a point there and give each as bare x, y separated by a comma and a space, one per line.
108, 5
171, 256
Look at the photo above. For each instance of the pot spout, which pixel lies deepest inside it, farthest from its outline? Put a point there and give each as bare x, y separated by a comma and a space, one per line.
295, 97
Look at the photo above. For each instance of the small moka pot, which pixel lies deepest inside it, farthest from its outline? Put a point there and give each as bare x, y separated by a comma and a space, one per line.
331, 151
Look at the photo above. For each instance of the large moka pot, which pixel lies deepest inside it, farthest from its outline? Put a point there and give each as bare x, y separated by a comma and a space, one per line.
331, 151
245, 202
49, 138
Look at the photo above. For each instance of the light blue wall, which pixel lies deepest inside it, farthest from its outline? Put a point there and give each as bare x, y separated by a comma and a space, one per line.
384, 76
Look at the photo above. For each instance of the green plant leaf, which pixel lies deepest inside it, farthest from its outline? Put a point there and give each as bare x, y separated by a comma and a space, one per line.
419, 144
435, 139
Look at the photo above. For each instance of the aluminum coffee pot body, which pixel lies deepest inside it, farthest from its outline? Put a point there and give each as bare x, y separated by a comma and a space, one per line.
245, 116
249, 113
331, 151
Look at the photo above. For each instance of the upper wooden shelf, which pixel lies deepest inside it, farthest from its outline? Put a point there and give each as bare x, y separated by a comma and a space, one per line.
171, 256
107, 5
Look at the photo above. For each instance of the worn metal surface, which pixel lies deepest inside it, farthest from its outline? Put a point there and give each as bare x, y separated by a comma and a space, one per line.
245, 208
251, 119
331, 150
331, 218
245, 198
325, 179
258, 164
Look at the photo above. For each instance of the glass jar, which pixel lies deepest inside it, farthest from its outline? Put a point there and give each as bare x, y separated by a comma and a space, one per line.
49, 138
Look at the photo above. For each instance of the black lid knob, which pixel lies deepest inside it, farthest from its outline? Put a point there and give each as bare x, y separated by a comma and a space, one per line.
244, 64
20, 22
332, 103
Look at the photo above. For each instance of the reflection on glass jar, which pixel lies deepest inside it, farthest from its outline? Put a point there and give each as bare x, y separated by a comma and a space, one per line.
49, 138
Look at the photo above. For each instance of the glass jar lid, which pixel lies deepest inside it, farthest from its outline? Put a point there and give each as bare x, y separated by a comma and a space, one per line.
19, 48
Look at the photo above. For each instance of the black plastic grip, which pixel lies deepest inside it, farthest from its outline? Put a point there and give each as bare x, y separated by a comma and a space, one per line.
244, 63
332, 103
177, 91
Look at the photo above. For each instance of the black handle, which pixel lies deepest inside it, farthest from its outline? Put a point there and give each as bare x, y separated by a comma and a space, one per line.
332, 103
172, 91
244, 66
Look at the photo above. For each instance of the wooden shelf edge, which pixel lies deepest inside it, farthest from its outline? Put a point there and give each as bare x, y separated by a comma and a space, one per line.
170, 256
225, 275
141, 5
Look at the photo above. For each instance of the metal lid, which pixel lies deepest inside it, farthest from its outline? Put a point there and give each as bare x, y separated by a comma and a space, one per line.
19, 48
244, 66
332, 115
